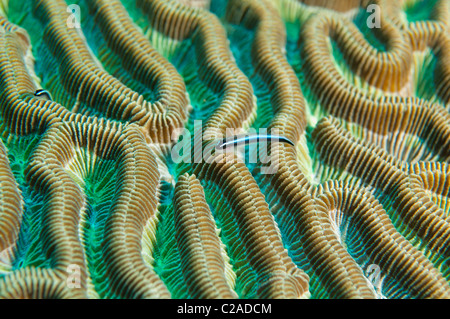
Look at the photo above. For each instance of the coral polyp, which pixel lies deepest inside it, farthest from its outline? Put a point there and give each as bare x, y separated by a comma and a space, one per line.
224, 149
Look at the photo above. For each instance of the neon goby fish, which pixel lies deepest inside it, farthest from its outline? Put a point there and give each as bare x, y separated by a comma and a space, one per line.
43, 93
250, 139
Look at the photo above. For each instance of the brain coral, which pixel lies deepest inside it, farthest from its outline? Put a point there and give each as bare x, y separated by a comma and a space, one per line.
95, 96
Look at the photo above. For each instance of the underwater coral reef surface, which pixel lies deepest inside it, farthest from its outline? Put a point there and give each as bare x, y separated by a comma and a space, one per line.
332, 182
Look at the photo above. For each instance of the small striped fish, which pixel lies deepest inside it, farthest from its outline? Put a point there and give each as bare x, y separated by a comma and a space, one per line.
250, 139
43, 93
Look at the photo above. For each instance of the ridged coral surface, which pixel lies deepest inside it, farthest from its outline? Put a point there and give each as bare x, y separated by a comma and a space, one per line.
100, 198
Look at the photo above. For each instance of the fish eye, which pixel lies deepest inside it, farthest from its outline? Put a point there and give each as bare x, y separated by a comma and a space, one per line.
220, 144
